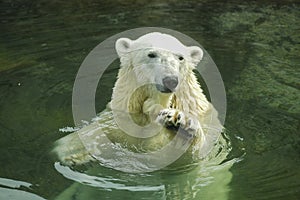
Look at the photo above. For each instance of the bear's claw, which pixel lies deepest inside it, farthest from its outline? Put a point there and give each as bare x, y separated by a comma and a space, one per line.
173, 119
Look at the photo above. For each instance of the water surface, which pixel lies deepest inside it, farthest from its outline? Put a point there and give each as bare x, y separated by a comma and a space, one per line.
254, 44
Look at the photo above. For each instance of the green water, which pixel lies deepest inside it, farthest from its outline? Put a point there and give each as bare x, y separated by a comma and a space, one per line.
254, 44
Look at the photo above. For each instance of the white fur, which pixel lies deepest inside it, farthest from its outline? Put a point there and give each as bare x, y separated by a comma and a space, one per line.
135, 92
138, 69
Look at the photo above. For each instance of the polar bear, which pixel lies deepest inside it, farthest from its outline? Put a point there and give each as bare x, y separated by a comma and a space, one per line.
156, 87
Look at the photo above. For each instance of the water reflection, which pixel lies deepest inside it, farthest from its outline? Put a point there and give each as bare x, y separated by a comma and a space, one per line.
255, 45
14, 189
202, 182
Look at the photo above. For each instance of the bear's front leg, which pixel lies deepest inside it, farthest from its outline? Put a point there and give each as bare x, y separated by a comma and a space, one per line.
175, 119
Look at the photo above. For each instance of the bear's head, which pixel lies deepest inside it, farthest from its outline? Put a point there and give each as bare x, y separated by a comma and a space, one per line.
157, 58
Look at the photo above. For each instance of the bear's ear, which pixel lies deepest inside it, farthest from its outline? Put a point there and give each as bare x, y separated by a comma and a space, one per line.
123, 46
196, 54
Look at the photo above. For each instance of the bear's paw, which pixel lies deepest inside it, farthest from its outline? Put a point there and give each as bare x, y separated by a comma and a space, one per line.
175, 119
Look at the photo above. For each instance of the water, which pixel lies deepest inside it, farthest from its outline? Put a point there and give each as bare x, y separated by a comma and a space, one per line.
254, 44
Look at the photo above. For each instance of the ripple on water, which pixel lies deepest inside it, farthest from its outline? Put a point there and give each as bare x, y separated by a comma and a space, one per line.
14, 189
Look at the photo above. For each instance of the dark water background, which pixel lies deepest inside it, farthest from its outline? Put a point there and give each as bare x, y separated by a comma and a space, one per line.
255, 45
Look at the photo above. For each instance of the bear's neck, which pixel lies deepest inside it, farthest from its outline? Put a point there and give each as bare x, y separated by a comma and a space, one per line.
189, 98
129, 97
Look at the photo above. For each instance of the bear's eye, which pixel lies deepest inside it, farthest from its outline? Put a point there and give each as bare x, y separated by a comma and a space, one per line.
181, 58
152, 55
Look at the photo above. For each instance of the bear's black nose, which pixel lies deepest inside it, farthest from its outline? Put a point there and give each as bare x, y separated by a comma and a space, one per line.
170, 82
